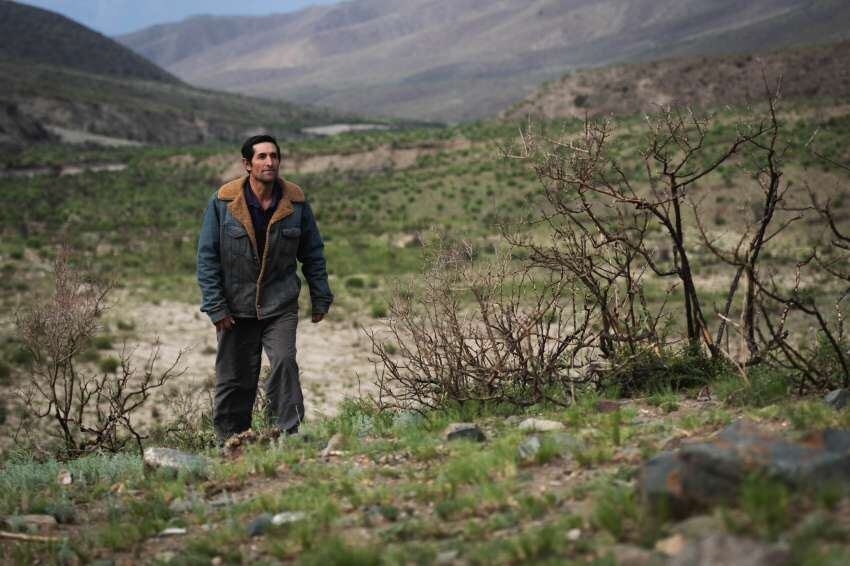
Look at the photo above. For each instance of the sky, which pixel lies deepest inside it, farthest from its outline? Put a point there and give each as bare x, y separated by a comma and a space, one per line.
114, 17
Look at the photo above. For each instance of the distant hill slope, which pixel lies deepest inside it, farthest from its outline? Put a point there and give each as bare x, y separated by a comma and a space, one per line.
61, 76
432, 59
37, 35
818, 71
38, 97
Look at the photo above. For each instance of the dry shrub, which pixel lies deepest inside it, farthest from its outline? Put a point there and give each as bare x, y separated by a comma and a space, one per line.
88, 411
483, 332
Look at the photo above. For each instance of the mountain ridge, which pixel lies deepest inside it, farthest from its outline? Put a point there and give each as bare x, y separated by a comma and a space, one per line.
704, 82
69, 44
468, 59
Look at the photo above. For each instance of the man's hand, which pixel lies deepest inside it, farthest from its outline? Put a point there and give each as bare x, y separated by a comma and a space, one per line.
317, 317
225, 323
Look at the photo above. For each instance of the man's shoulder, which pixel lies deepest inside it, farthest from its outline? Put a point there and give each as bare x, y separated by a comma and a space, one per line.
231, 189
292, 192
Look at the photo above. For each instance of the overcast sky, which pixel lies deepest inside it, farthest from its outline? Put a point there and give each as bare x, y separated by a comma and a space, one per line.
114, 17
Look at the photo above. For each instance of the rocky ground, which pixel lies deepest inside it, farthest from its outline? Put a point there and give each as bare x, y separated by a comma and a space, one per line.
668, 479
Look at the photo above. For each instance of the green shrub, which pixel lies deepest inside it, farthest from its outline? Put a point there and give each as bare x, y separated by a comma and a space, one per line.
378, 310
109, 364
21, 357
651, 372
766, 502
615, 508
764, 386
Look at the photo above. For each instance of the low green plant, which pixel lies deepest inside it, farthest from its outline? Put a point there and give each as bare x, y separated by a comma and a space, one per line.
763, 386
811, 415
378, 310
766, 503
615, 510
102, 342
109, 364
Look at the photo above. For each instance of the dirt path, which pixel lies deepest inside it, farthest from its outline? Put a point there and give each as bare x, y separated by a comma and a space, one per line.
333, 356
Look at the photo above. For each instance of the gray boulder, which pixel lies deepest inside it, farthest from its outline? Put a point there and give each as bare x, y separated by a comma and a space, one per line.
174, 461
259, 525
837, 399
468, 431
707, 473
720, 549
540, 425
529, 448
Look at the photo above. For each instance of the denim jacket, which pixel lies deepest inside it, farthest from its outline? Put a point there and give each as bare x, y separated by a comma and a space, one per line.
236, 280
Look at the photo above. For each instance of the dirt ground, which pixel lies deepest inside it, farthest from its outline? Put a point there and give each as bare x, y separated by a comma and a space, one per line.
333, 356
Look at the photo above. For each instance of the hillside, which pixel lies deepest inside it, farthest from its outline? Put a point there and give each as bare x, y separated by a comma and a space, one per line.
467, 59
40, 97
75, 85
32, 34
707, 82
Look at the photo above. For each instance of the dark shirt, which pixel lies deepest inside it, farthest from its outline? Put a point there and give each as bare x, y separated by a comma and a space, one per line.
260, 218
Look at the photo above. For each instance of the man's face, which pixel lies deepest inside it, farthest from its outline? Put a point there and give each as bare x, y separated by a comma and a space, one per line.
265, 164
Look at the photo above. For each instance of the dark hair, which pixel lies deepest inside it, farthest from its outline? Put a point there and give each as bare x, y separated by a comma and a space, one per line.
248, 146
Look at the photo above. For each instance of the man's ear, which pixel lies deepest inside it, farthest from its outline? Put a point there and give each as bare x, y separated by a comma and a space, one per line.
246, 164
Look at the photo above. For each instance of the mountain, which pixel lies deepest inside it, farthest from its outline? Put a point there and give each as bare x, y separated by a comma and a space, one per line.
61, 78
432, 59
32, 34
707, 82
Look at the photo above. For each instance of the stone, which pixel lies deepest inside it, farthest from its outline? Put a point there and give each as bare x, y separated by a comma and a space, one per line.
837, 399
671, 546
32, 523
721, 548
64, 477
628, 555
333, 446
699, 526
528, 448
707, 473
166, 556
174, 460
446, 557
540, 425
573, 534
259, 525
223, 500
607, 406
468, 431
181, 505
287, 517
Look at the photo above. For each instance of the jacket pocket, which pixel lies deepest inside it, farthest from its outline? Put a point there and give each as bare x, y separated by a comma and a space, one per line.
237, 240
289, 238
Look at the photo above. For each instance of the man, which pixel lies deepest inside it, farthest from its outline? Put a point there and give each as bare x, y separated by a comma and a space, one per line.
254, 229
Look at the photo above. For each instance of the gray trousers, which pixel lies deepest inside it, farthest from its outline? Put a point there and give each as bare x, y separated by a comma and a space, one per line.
237, 372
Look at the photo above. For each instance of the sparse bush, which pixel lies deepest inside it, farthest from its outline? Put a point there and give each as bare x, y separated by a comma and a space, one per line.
89, 412
523, 339
110, 364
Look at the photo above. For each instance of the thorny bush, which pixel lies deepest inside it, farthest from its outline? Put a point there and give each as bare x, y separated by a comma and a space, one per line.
483, 332
89, 411
577, 309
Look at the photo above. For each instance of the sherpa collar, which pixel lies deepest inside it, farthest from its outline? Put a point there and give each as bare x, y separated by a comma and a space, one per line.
238, 207
233, 189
